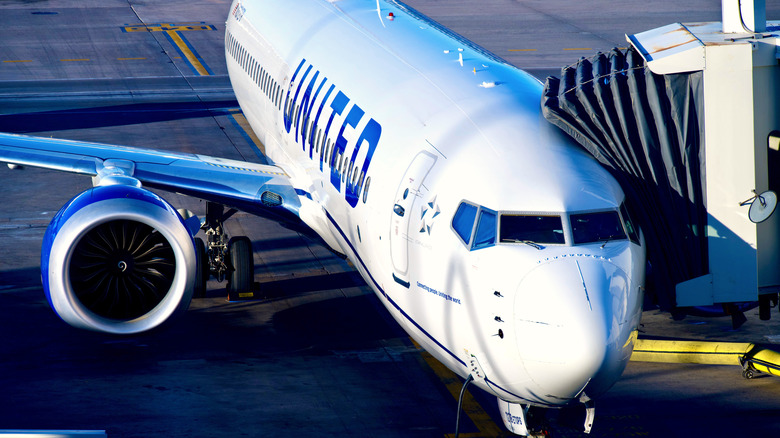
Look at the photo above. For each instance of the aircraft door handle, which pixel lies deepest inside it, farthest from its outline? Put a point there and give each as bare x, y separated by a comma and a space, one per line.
400, 211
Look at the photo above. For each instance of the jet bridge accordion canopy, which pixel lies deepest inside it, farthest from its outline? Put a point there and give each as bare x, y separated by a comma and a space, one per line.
647, 130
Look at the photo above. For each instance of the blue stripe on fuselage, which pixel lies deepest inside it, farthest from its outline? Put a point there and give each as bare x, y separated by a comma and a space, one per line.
390, 300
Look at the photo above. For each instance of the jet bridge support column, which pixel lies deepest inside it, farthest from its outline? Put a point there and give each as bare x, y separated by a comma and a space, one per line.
741, 94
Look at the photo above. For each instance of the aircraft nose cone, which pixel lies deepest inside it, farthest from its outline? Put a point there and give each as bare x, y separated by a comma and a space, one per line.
567, 315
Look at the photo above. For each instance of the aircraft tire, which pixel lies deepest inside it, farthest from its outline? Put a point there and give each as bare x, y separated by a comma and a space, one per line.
201, 269
241, 277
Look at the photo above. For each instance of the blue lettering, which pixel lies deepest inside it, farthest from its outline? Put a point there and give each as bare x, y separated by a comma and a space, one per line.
289, 107
512, 419
307, 104
352, 119
339, 103
354, 171
317, 121
370, 134
295, 106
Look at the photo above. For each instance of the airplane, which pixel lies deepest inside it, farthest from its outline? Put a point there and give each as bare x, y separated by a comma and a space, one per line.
494, 241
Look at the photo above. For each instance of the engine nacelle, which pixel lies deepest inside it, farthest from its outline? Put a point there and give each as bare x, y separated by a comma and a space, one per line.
118, 259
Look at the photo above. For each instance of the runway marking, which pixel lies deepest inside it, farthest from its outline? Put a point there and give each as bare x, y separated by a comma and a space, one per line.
188, 52
173, 33
486, 426
165, 27
18, 60
239, 121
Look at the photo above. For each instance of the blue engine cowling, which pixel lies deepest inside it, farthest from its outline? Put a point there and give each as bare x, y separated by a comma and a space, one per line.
118, 259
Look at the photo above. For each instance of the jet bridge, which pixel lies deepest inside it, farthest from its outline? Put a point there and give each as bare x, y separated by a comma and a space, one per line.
688, 120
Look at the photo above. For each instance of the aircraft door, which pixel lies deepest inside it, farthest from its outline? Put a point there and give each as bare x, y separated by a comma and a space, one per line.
408, 196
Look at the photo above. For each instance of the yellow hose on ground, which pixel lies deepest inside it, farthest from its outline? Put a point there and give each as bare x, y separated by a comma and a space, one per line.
760, 357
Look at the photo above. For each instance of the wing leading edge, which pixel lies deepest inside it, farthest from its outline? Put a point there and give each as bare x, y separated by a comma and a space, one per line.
260, 189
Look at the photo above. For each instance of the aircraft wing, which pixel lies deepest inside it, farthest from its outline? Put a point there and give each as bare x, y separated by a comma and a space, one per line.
256, 188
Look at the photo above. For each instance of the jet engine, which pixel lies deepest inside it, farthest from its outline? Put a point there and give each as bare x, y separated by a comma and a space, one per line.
118, 259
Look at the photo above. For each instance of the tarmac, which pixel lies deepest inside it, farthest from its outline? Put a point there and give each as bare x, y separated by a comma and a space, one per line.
318, 355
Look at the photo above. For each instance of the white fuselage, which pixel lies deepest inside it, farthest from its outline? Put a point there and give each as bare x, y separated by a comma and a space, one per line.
424, 123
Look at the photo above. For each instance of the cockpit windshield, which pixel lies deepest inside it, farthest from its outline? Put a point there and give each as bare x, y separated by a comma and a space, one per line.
531, 228
480, 227
596, 227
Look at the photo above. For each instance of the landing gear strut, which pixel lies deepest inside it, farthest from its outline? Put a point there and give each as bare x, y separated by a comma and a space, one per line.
223, 258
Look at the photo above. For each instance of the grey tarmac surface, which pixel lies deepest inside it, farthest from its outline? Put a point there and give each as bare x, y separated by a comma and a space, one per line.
318, 356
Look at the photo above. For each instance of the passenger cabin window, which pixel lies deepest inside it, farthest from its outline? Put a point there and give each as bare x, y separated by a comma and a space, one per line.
596, 227
365, 191
522, 228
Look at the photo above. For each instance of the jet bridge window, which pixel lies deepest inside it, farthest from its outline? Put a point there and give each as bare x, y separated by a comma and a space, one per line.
530, 228
596, 227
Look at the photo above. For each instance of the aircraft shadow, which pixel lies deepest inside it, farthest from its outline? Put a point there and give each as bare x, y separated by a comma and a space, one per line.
115, 115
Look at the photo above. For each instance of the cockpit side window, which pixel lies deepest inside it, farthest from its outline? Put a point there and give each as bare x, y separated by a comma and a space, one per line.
486, 229
463, 221
596, 227
633, 233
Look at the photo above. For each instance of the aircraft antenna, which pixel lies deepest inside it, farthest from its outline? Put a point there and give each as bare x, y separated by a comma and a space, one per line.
379, 13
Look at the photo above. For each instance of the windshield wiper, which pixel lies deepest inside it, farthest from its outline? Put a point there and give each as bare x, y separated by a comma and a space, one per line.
610, 238
530, 243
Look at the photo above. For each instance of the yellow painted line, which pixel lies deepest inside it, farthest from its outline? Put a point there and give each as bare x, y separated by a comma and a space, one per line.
522, 50
164, 27
129, 59
238, 116
187, 52
578, 48
19, 60
486, 426
75, 60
